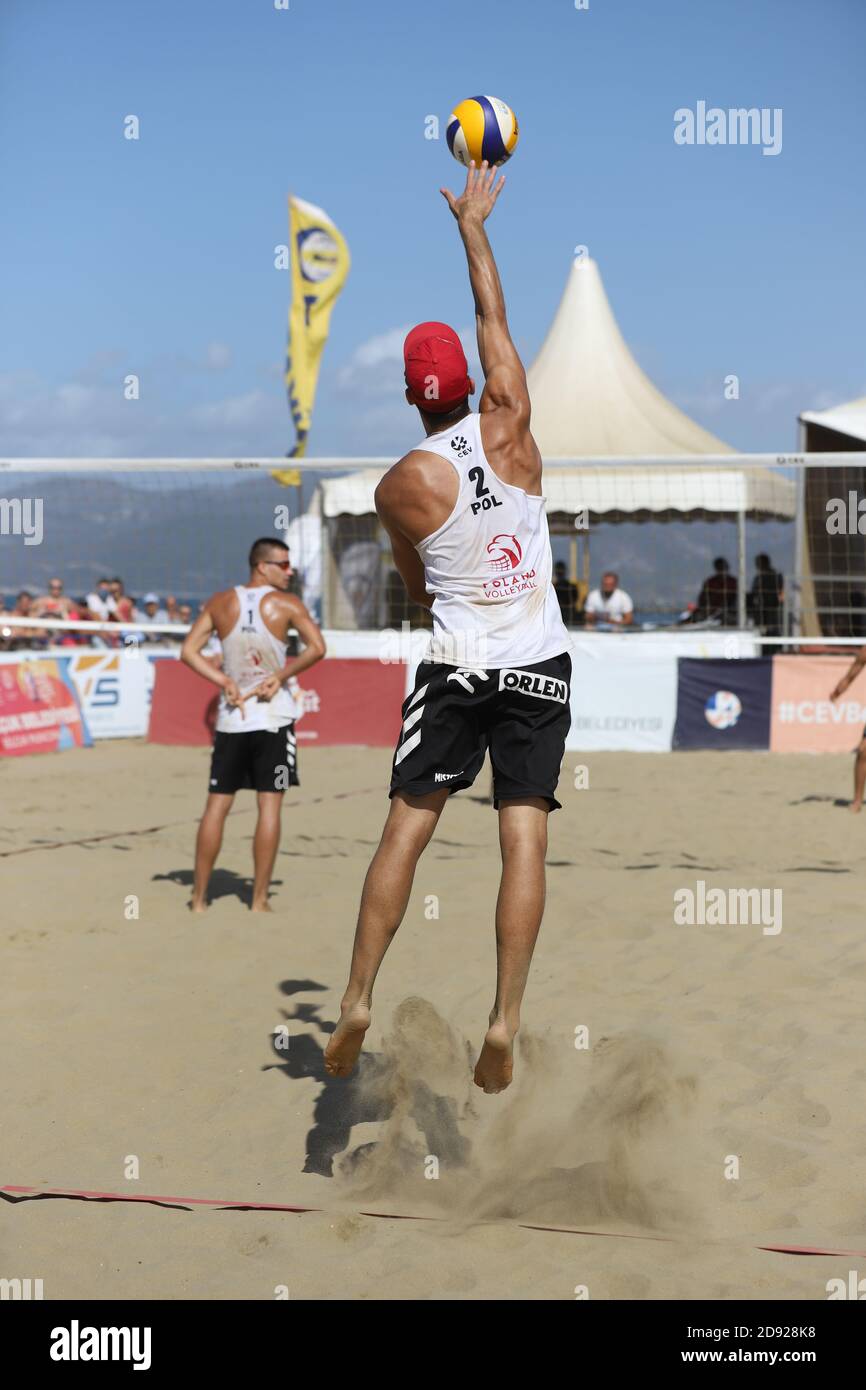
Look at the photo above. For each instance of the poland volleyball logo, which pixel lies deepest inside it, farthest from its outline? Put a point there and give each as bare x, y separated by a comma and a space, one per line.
506, 553
723, 709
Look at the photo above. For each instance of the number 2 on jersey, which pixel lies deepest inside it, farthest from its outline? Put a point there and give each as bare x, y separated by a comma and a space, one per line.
487, 499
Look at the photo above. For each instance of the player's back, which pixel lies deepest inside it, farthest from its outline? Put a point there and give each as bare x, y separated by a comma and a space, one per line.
252, 627
489, 561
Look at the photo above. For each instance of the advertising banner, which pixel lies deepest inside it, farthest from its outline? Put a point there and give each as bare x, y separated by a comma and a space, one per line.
114, 688
617, 704
39, 709
804, 718
344, 701
351, 701
723, 704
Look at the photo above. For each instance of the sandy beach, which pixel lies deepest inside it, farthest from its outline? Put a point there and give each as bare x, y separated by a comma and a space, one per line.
137, 1035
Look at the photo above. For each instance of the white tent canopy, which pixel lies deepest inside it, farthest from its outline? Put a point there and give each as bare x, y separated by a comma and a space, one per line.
849, 418
602, 489
645, 494
590, 397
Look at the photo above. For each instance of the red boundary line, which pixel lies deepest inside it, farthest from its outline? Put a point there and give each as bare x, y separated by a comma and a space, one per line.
26, 1192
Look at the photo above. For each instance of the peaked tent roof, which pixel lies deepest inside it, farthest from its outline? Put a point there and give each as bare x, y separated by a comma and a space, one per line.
590, 397
849, 418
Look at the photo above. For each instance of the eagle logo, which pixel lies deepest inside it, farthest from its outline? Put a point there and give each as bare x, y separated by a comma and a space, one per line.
505, 552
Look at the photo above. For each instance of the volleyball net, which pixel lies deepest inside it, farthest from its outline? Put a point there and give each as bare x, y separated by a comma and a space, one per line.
123, 552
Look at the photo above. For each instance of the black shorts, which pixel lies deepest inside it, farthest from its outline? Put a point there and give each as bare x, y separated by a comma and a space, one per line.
260, 760
454, 714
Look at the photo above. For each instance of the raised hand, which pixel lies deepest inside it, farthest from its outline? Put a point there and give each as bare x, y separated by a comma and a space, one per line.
479, 196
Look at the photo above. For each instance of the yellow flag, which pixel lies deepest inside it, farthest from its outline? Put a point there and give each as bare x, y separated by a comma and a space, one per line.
289, 477
320, 264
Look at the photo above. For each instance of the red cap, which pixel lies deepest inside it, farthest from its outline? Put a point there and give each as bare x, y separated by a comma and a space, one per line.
436, 371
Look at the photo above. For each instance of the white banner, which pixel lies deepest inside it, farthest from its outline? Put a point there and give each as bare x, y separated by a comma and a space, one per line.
620, 704
115, 689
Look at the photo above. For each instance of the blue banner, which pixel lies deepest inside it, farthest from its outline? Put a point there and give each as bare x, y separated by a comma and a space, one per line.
723, 703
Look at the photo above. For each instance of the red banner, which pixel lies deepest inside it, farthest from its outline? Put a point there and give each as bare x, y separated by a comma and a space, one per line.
183, 708
351, 700
39, 712
345, 700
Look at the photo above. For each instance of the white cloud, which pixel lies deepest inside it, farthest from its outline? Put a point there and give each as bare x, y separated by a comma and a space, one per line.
218, 357
246, 409
375, 368
375, 365
74, 420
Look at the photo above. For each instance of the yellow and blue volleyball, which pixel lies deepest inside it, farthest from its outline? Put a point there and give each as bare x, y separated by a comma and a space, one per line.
482, 128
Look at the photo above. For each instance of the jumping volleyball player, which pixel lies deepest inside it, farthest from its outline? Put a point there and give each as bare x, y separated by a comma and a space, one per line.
467, 523
254, 745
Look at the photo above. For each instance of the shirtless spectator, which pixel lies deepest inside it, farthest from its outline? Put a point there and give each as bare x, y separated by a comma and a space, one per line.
54, 604
123, 610
21, 637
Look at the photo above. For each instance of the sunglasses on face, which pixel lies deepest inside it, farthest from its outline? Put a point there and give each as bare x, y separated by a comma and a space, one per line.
281, 564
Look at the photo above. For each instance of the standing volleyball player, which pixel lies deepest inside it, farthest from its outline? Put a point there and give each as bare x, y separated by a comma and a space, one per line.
849, 677
469, 532
254, 745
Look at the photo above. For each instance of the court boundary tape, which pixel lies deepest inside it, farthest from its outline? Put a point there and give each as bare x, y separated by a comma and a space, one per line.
16, 1193
173, 824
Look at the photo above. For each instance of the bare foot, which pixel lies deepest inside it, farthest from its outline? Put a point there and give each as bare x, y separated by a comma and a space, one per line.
261, 907
197, 906
855, 807
494, 1067
341, 1054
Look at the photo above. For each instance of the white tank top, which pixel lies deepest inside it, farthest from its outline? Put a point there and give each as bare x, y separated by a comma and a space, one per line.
250, 653
489, 565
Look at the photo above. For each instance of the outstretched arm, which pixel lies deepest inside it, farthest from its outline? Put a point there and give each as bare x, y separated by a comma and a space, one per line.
851, 674
503, 369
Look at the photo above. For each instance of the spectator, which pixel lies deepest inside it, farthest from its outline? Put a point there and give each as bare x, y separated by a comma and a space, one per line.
54, 604
171, 608
184, 614
566, 593
123, 610
609, 605
151, 613
101, 602
19, 638
765, 599
718, 597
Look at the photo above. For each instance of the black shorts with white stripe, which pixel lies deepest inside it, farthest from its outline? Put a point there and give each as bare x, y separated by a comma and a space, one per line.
259, 760
454, 714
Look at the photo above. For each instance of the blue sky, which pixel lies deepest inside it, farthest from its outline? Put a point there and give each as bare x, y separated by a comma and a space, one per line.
156, 256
